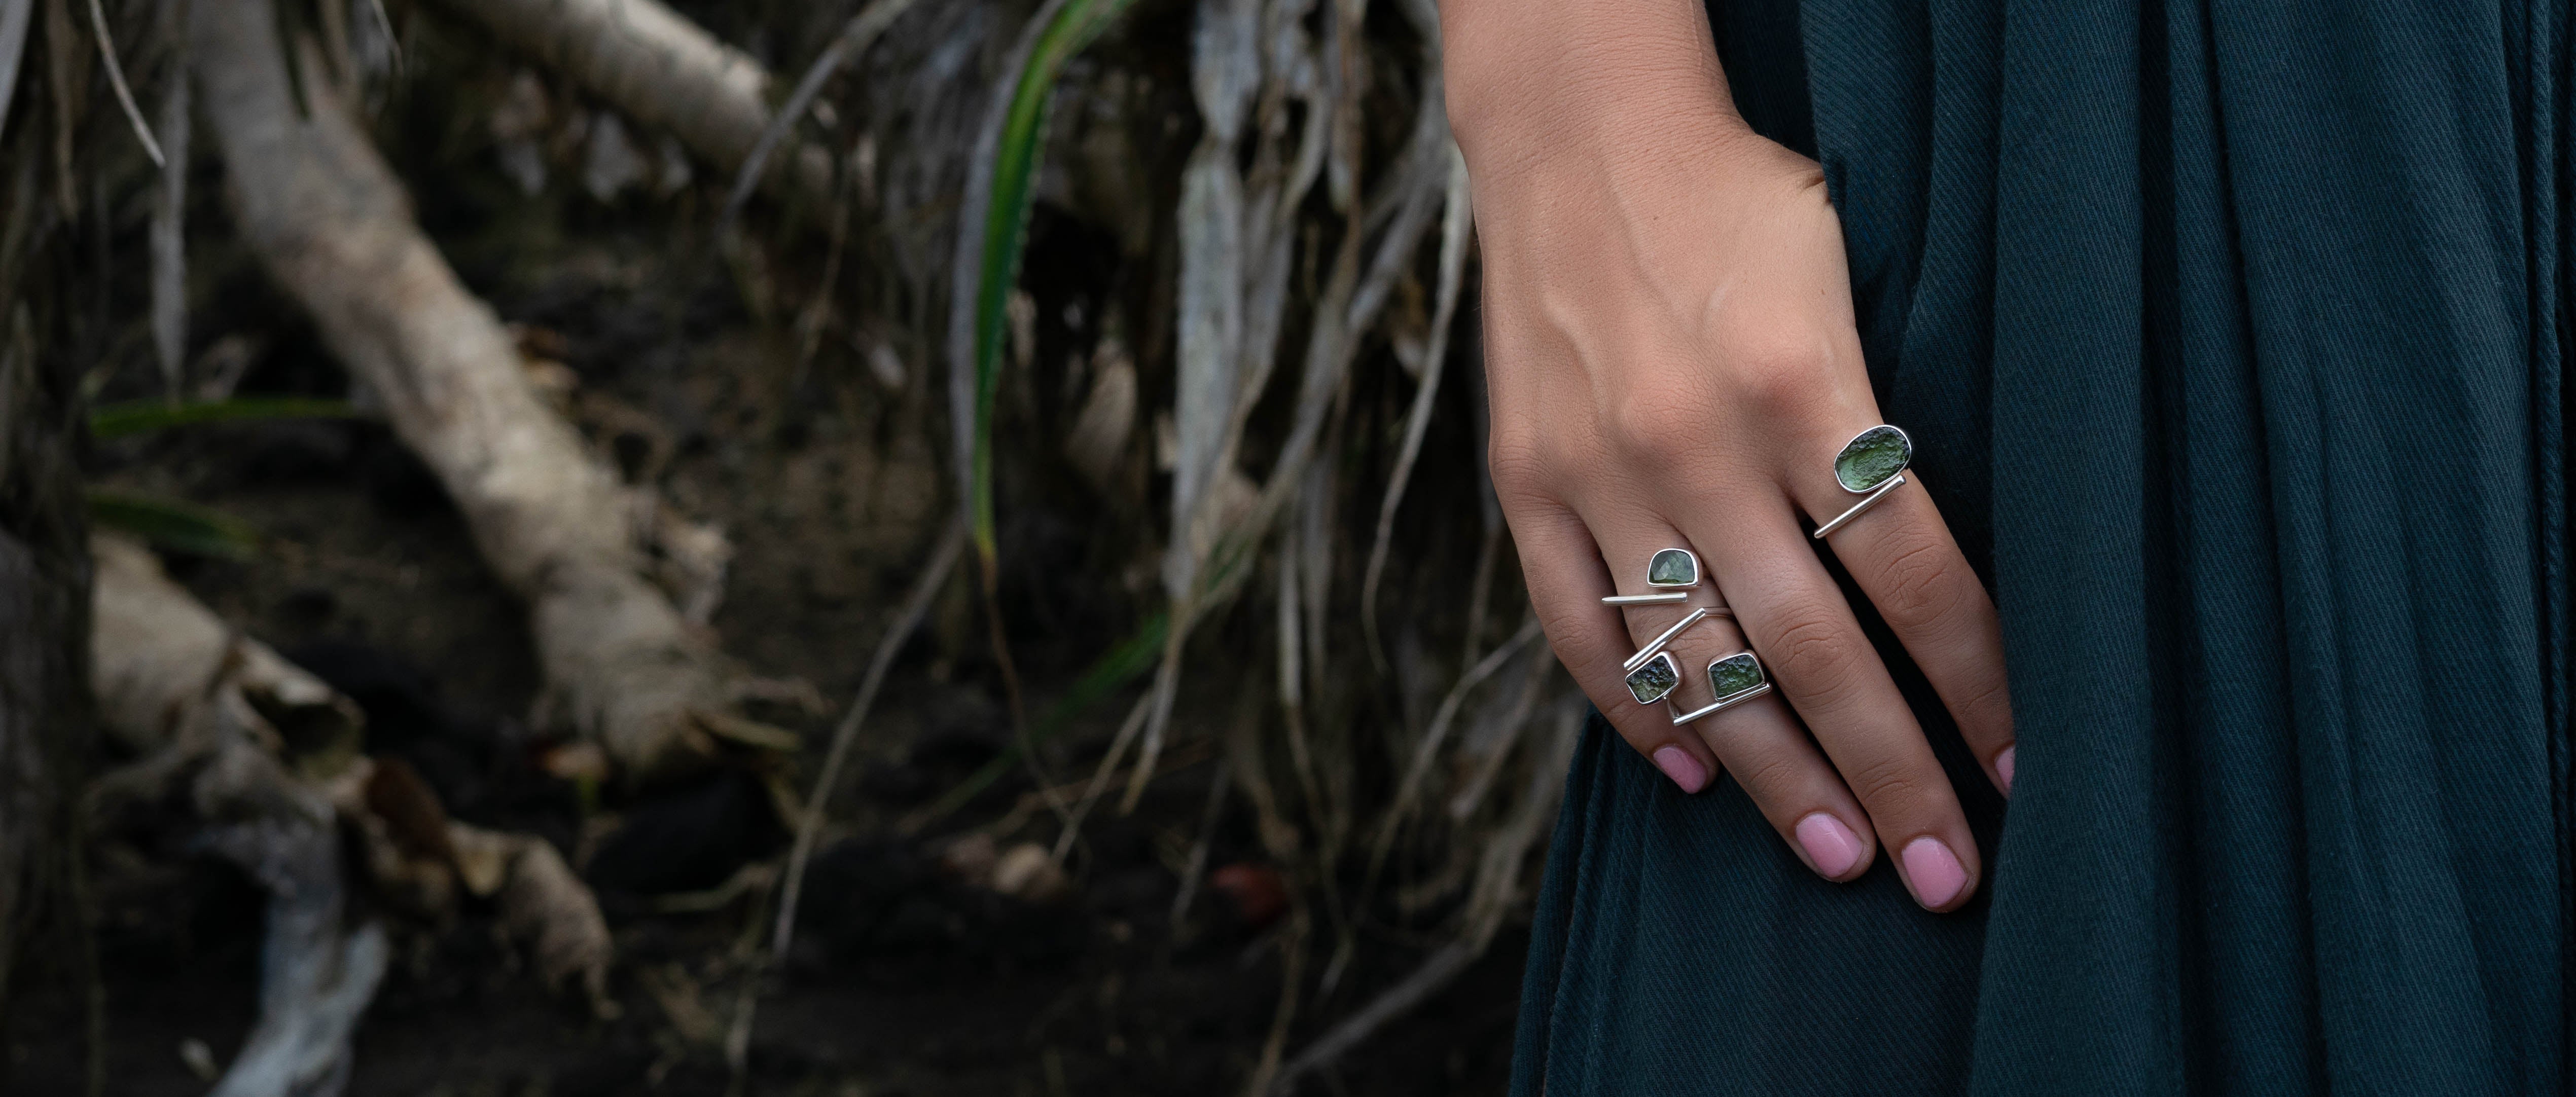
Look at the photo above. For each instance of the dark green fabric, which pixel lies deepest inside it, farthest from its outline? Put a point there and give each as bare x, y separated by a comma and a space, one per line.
2229, 336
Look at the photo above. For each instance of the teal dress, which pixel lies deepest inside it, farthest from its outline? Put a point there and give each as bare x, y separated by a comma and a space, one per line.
2231, 335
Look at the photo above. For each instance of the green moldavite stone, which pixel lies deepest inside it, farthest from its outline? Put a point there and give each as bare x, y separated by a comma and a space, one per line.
1734, 674
1867, 461
1673, 568
1649, 683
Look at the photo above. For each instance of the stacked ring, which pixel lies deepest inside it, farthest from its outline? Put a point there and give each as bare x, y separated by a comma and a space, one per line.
1652, 672
1871, 465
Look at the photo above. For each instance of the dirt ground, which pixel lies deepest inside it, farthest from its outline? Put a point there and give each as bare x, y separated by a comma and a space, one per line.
905, 980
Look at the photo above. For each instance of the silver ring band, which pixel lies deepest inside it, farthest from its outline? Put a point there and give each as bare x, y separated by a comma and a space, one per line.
1664, 599
1657, 644
1866, 502
1722, 704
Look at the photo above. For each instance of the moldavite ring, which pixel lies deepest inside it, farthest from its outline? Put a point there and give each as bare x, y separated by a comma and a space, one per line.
1735, 679
1670, 574
1871, 465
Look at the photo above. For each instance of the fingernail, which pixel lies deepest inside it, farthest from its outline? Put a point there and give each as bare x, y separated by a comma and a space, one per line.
1682, 768
1933, 872
1830, 845
2003, 768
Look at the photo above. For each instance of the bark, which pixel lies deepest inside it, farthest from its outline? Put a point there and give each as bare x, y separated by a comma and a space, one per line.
221, 719
331, 224
658, 68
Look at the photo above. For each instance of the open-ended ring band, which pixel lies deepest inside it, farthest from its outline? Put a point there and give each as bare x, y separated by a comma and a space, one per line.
1657, 644
1664, 599
1722, 704
1866, 502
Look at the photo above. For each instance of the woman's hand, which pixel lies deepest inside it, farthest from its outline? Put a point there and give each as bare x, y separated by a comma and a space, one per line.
1672, 362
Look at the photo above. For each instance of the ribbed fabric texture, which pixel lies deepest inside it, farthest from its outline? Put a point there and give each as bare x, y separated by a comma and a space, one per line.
2230, 338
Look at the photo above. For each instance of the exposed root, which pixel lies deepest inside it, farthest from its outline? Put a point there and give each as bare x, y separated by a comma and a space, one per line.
327, 218
658, 67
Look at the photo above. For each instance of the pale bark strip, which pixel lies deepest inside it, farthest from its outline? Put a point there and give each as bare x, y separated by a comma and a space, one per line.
332, 225
210, 710
656, 66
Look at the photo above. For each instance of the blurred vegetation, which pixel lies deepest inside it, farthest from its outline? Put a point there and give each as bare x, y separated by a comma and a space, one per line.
1157, 303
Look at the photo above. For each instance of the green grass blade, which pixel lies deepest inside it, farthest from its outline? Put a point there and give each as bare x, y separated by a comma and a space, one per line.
170, 524
140, 416
1114, 670
1006, 226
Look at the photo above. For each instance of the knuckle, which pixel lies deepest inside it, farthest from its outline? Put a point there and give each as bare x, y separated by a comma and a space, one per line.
1521, 466
1656, 431
1771, 776
1778, 371
1918, 584
1813, 652
1890, 786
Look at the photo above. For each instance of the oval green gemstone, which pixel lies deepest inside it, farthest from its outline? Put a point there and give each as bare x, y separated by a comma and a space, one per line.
1649, 683
1869, 459
1673, 568
1734, 674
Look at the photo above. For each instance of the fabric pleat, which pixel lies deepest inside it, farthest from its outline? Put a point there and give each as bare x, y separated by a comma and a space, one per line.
2230, 335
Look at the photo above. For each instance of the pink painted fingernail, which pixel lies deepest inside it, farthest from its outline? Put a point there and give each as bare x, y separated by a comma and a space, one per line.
1830, 845
1682, 768
2003, 768
1933, 872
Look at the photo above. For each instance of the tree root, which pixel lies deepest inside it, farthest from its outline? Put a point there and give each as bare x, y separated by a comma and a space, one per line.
660, 69
267, 756
333, 226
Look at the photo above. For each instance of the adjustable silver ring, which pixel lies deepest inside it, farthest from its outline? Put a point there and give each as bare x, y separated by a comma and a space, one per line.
1871, 465
1735, 679
1670, 574
1657, 644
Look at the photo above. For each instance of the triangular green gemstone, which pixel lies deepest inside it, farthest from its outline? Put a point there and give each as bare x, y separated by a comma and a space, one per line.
1868, 460
1734, 674
1673, 568
1649, 683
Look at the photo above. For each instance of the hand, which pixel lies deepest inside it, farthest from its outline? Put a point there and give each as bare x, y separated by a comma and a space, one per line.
1672, 362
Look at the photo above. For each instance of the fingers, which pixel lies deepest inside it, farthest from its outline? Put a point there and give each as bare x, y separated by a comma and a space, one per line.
1903, 557
1758, 741
1566, 580
1826, 670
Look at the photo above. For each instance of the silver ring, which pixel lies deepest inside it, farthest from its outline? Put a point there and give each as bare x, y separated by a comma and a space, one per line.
1735, 679
1670, 574
1655, 679
1871, 465
1657, 644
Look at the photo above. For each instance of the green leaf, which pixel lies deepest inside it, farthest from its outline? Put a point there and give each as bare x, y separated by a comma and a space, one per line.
1113, 671
170, 524
140, 416
1006, 224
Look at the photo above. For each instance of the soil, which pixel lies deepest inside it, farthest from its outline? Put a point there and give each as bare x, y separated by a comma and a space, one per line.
826, 478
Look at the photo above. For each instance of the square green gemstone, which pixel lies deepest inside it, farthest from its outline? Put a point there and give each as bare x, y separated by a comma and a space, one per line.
1673, 568
1650, 683
1868, 460
1734, 674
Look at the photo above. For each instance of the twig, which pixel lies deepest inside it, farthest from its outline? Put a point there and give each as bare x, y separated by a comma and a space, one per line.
809, 826
1454, 229
393, 41
116, 80
1429, 750
15, 15
1497, 888
856, 36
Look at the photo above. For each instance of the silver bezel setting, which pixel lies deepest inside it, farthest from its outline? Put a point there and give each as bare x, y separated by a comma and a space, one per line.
1900, 468
1670, 667
1686, 554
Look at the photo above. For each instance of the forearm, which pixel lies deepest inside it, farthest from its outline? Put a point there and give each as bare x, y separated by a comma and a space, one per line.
1615, 84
